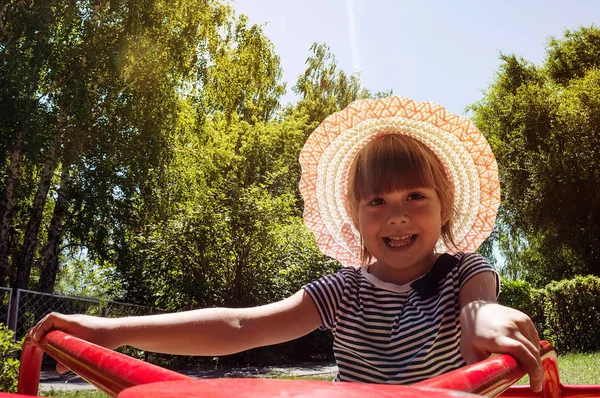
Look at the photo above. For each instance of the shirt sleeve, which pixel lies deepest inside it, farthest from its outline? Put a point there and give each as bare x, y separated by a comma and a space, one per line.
471, 264
327, 293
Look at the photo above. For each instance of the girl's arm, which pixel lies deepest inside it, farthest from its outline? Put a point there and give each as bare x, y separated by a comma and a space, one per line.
210, 331
489, 328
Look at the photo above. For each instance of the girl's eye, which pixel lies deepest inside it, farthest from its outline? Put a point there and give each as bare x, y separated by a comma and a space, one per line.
415, 196
376, 202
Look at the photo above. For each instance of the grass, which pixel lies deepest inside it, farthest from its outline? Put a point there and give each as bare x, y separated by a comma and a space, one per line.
327, 377
73, 394
580, 368
574, 369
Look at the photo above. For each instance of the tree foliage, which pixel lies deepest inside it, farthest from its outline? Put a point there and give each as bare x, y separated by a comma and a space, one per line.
9, 360
543, 123
230, 231
156, 131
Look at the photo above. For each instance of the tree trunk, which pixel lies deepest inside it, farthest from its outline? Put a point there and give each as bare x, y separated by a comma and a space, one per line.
55, 234
6, 208
3, 5
33, 226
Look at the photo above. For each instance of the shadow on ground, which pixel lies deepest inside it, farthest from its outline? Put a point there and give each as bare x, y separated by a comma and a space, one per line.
50, 379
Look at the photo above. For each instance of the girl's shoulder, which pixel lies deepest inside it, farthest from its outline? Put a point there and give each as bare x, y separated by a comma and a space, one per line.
468, 260
470, 264
342, 278
347, 275
470, 256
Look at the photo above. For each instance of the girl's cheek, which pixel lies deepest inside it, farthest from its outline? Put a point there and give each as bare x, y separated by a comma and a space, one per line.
370, 217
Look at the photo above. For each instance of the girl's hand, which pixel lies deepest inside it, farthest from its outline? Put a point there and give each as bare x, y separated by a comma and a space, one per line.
489, 328
90, 328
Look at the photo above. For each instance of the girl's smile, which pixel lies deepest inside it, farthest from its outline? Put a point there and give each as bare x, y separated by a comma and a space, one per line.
399, 241
401, 229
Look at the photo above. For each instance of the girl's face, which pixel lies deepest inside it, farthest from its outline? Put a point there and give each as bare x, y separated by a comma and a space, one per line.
401, 229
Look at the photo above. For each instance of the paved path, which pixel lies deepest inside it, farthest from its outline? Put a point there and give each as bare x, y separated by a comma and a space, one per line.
50, 379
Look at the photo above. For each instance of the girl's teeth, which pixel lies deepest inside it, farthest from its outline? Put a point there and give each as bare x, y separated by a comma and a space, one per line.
398, 241
402, 237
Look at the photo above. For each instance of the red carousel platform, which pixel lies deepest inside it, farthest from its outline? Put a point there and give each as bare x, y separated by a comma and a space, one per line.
121, 376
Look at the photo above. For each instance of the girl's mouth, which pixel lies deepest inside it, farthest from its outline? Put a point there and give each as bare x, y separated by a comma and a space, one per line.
399, 240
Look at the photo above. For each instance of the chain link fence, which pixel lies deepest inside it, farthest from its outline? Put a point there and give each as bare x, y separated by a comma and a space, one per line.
21, 311
113, 309
27, 307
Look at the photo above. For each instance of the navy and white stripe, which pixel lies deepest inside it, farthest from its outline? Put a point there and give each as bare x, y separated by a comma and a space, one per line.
385, 333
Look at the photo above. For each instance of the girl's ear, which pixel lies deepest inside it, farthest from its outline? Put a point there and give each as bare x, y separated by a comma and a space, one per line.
444, 217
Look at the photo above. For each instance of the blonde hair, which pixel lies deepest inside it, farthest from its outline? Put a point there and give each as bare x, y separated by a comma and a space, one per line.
397, 162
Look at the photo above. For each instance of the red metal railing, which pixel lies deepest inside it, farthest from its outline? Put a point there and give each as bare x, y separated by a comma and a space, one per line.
108, 370
497, 374
114, 373
495, 377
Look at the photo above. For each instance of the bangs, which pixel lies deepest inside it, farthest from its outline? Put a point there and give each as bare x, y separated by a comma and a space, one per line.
395, 162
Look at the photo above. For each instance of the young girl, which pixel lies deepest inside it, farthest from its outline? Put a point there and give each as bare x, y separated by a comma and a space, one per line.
399, 192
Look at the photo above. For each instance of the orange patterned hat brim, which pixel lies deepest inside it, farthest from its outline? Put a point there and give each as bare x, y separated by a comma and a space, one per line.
461, 148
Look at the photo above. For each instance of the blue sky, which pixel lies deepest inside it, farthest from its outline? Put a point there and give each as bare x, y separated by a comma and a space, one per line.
441, 51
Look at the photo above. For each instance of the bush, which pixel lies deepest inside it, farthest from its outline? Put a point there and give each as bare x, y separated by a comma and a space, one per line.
9, 363
573, 314
538, 312
516, 294
521, 296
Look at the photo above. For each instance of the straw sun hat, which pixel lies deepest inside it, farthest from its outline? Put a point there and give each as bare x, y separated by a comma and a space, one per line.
461, 148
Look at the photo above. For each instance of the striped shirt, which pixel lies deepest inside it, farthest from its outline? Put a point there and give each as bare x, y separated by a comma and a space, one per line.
385, 333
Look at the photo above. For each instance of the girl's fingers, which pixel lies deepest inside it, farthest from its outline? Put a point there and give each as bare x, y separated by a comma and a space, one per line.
517, 345
530, 332
527, 354
44, 326
49, 322
34, 331
529, 336
62, 369
532, 344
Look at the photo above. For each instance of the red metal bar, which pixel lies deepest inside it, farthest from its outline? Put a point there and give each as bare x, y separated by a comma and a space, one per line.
581, 391
551, 387
489, 377
113, 373
520, 392
495, 375
108, 370
564, 391
265, 388
29, 371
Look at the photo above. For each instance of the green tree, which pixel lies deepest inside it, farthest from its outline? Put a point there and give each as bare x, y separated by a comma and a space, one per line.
157, 141
243, 74
324, 88
25, 137
108, 86
543, 123
197, 224
216, 246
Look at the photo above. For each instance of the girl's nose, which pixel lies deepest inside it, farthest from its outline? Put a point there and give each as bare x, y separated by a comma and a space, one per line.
398, 216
